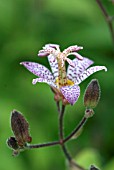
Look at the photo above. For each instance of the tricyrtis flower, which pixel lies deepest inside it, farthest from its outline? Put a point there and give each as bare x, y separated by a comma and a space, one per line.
64, 84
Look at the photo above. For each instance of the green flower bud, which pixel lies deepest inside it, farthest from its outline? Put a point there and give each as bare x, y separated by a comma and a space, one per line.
92, 94
89, 113
20, 128
93, 168
12, 143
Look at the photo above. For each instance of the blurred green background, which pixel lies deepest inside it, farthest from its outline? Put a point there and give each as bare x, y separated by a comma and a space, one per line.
26, 26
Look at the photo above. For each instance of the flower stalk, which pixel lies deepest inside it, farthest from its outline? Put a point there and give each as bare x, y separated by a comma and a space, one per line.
61, 133
63, 141
76, 130
34, 146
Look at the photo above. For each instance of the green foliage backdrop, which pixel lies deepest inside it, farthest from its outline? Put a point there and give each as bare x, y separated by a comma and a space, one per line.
26, 26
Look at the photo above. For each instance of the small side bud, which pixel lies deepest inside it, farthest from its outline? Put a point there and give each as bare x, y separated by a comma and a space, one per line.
93, 168
92, 94
12, 143
20, 128
89, 113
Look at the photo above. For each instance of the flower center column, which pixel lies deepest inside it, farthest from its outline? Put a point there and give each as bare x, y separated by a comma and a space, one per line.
62, 79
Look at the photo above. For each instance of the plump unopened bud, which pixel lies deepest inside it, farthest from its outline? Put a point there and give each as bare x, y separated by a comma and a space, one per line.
89, 113
92, 94
93, 168
20, 128
12, 143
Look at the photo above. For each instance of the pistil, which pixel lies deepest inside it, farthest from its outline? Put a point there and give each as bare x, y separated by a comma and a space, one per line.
62, 78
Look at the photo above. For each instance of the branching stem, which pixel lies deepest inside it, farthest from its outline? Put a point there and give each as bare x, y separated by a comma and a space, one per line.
76, 130
33, 146
109, 19
62, 140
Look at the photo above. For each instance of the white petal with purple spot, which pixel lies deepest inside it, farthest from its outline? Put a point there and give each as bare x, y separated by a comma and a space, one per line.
71, 93
80, 66
39, 70
42, 80
53, 64
88, 73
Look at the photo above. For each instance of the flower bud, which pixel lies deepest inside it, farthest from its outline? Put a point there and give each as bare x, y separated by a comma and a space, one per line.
93, 168
20, 128
89, 113
12, 143
92, 94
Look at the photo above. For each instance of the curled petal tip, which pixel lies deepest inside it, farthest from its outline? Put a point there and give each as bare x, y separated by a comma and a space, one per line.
24, 63
34, 81
78, 56
79, 48
70, 62
105, 68
43, 54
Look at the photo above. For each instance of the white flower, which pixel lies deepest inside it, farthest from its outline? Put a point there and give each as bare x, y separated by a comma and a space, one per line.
64, 84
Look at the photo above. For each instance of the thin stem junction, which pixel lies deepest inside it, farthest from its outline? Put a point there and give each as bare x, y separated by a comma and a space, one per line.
76, 130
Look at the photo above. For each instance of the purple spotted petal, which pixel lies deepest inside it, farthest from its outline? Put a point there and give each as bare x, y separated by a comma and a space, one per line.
88, 73
42, 80
71, 93
80, 66
38, 69
53, 64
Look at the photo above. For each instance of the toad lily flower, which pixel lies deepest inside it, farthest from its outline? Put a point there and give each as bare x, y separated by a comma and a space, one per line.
63, 84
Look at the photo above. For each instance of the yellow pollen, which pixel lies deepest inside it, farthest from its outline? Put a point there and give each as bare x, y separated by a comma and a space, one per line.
68, 83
